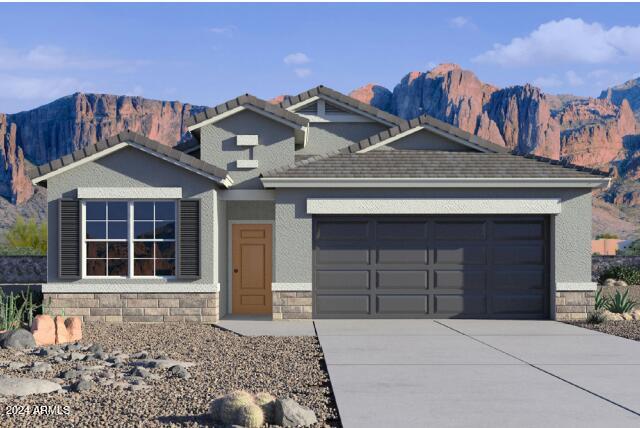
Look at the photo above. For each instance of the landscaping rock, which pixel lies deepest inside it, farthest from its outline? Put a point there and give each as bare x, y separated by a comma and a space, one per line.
100, 355
73, 325
610, 316
288, 413
141, 355
620, 283
77, 356
62, 336
82, 385
141, 372
40, 367
161, 364
609, 282
179, 372
95, 348
70, 374
21, 387
15, 365
17, 339
44, 330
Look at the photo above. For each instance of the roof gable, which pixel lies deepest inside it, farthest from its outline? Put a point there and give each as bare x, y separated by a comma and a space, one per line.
339, 103
129, 139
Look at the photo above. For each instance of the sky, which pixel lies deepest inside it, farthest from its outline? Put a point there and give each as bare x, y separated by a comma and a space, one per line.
206, 54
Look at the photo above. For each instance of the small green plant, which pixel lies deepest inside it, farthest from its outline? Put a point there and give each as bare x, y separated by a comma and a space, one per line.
620, 303
595, 317
17, 310
601, 301
627, 273
632, 249
27, 236
607, 235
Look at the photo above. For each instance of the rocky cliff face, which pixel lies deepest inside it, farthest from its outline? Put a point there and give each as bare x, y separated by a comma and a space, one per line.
629, 91
72, 122
14, 183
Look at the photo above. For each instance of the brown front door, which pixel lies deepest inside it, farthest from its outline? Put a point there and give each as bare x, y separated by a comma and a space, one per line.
251, 264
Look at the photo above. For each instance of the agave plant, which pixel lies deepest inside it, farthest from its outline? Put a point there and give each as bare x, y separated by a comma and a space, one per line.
601, 301
621, 303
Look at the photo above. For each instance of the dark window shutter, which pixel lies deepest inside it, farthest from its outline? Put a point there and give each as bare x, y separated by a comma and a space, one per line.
69, 238
189, 239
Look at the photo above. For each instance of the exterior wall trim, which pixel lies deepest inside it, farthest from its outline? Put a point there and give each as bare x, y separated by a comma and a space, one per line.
129, 192
433, 206
151, 286
233, 111
392, 182
291, 286
576, 286
247, 195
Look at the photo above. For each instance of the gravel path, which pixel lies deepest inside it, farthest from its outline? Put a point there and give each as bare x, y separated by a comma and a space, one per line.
626, 329
283, 366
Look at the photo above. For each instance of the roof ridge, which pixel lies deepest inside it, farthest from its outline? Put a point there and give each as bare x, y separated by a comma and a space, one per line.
240, 101
132, 138
342, 98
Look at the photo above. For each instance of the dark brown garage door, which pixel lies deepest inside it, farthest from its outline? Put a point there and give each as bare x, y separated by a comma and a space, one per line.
431, 267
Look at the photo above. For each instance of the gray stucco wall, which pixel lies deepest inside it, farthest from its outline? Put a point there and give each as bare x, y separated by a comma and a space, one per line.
328, 137
218, 146
571, 229
426, 140
130, 167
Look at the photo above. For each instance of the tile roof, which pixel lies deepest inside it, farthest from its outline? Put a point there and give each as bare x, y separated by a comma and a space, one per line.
128, 137
426, 120
244, 100
344, 99
429, 164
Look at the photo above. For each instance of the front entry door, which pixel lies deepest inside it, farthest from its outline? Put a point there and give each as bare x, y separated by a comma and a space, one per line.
251, 265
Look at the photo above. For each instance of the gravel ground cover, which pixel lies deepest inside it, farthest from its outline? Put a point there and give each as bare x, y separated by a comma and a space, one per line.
284, 366
626, 329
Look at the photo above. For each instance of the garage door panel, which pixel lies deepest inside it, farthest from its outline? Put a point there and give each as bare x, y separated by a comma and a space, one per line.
431, 266
342, 304
518, 230
525, 304
466, 279
519, 255
342, 230
342, 280
461, 255
402, 280
468, 304
519, 279
394, 230
402, 305
410, 254
458, 230
342, 256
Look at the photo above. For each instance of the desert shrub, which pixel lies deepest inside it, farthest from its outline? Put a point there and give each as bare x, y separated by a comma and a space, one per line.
607, 235
18, 309
595, 317
620, 303
627, 273
27, 237
601, 301
632, 249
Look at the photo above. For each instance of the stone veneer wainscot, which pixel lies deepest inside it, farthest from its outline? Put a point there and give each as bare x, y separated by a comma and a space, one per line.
292, 305
136, 307
574, 305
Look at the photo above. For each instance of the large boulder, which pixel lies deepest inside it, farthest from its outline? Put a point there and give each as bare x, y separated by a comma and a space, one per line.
288, 413
73, 326
44, 330
17, 339
21, 387
62, 335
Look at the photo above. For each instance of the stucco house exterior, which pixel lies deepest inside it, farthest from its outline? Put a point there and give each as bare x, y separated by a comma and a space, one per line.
318, 207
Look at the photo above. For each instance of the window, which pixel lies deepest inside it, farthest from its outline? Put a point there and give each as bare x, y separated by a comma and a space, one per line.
154, 239
106, 239
130, 239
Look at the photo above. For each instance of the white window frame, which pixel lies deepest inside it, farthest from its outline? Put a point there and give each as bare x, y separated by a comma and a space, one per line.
130, 239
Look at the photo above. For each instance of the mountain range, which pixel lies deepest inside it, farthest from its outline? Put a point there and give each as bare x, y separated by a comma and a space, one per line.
598, 132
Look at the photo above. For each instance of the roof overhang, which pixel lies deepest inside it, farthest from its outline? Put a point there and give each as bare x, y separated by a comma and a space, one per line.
289, 182
224, 181
300, 132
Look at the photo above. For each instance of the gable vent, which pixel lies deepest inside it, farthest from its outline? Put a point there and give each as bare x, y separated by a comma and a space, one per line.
308, 109
331, 108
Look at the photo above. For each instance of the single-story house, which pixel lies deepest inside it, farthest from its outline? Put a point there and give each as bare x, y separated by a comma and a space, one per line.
317, 207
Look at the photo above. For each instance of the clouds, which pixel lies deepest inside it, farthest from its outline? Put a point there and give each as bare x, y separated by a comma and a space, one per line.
461, 22
36, 88
227, 30
297, 60
567, 41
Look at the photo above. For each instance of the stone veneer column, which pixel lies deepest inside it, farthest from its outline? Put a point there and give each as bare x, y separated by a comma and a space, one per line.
574, 305
290, 305
136, 307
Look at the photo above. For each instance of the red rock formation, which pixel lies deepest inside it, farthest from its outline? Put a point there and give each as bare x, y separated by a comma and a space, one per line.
14, 183
375, 95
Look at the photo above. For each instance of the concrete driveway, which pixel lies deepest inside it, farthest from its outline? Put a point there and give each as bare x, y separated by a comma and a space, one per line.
470, 373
